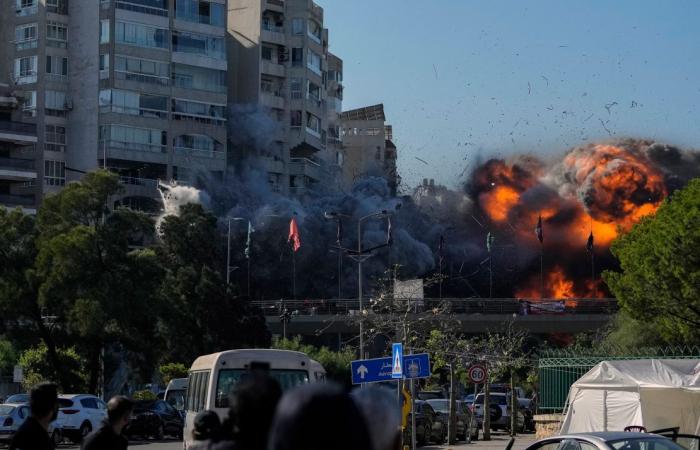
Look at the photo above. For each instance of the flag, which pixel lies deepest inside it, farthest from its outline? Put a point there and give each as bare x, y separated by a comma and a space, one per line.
441, 246
389, 236
490, 239
589, 244
251, 230
538, 229
294, 236
339, 236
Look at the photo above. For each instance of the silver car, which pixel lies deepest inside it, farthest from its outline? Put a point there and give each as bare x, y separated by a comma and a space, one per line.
606, 441
13, 415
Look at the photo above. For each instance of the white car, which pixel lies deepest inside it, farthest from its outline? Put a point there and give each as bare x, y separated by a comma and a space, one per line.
80, 414
13, 415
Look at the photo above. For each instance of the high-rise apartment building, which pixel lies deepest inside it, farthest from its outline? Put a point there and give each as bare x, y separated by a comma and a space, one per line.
284, 68
136, 86
369, 146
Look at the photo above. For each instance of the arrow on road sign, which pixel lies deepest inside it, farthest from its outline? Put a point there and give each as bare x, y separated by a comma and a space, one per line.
362, 372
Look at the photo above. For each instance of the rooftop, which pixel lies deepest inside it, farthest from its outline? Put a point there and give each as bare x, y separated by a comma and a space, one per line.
375, 112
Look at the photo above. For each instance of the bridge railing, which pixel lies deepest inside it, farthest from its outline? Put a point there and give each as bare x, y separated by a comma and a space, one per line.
445, 305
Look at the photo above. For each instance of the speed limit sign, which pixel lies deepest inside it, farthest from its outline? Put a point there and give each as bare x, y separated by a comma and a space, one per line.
477, 374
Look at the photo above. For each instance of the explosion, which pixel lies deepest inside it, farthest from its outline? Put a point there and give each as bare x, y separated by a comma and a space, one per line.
598, 189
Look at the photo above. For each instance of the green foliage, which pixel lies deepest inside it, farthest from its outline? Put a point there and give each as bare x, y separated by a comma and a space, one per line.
144, 395
171, 371
70, 374
8, 357
659, 285
337, 364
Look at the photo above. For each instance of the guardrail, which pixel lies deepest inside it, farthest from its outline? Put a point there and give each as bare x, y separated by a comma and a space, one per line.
17, 163
448, 305
16, 200
18, 127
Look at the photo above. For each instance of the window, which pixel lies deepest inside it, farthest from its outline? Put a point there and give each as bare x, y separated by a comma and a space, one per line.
267, 53
191, 77
313, 125
143, 70
199, 44
25, 70
141, 35
29, 104
197, 389
313, 92
55, 138
89, 403
229, 378
298, 26
26, 7
201, 12
55, 103
297, 57
154, 7
198, 112
295, 88
104, 65
314, 62
57, 6
26, 36
133, 103
295, 118
57, 67
315, 31
104, 31
198, 142
134, 138
56, 34
54, 173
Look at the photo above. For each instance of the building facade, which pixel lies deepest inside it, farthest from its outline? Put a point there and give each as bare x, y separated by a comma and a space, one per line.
135, 86
283, 68
369, 146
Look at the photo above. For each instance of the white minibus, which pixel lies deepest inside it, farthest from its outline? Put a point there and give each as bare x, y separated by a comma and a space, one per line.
213, 377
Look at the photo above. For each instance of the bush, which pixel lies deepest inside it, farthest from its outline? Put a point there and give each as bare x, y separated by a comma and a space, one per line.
144, 395
173, 370
35, 364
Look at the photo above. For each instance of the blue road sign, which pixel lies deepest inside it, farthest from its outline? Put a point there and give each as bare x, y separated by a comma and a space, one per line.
379, 369
397, 360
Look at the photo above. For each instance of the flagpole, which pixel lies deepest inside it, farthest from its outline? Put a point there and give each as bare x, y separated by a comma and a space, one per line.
294, 274
541, 270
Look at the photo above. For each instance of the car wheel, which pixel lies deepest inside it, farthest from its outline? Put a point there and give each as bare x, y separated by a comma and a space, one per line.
85, 429
56, 437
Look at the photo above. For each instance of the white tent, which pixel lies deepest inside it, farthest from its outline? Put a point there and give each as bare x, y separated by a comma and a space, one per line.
654, 393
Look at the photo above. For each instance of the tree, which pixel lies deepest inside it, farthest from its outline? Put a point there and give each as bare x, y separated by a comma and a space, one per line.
101, 291
8, 357
659, 281
337, 364
171, 371
69, 375
200, 314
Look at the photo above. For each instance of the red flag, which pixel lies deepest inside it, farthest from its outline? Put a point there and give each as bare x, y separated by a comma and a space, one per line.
294, 236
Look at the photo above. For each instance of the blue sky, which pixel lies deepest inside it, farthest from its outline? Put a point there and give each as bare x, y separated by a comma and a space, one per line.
462, 79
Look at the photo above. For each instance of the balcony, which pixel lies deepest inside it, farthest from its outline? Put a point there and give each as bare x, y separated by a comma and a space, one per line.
305, 166
17, 169
17, 132
139, 187
273, 165
274, 5
270, 68
270, 100
316, 12
272, 34
201, 153
152, 153
16, 200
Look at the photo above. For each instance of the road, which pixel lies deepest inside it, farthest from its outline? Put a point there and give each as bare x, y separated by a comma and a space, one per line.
167, 444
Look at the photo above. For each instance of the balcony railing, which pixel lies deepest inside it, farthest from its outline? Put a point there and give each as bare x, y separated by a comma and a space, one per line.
270, 27
134, 181
18, 127
128, 6
279, 3
16, 163
17, 200
142, 78
143, 112
188, 151
133, 146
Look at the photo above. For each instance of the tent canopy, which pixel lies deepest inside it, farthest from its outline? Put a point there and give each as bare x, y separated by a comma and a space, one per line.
653, 393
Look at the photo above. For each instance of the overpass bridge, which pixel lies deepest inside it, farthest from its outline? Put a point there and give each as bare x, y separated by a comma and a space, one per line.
335, 320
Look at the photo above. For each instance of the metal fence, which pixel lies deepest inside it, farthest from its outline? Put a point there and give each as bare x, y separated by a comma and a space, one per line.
559, 369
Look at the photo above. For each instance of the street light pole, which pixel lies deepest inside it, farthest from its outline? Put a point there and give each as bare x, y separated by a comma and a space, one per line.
359, 284
228, 254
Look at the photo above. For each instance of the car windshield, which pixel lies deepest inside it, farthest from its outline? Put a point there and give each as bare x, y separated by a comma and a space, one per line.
644, 443
18, 398
6, 410
65, 403
229, 378
176, 398
494, 399
440, 405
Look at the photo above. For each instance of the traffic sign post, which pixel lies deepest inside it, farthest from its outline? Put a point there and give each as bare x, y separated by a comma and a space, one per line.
381, 369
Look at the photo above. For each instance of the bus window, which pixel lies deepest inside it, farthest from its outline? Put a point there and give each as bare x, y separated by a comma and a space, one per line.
197, 391
228, 378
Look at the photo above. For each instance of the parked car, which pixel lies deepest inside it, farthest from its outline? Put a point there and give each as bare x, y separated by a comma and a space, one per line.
428, 427
613, 440
499, 412
17, 399
463, 419
155, 418
428, 395
79, 414
13, 415
469, 399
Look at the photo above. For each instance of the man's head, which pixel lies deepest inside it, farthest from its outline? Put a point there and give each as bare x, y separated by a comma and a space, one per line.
43, 401
253, 404
206, 425
382, 414
118, 411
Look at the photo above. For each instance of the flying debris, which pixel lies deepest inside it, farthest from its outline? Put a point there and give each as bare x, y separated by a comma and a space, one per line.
605, 127
423, 161
610, 105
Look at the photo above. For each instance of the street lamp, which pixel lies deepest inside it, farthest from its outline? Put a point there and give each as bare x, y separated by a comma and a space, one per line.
360, 255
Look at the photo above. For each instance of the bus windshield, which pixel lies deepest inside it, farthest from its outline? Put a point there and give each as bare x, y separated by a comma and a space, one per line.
176, 398
228, 379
